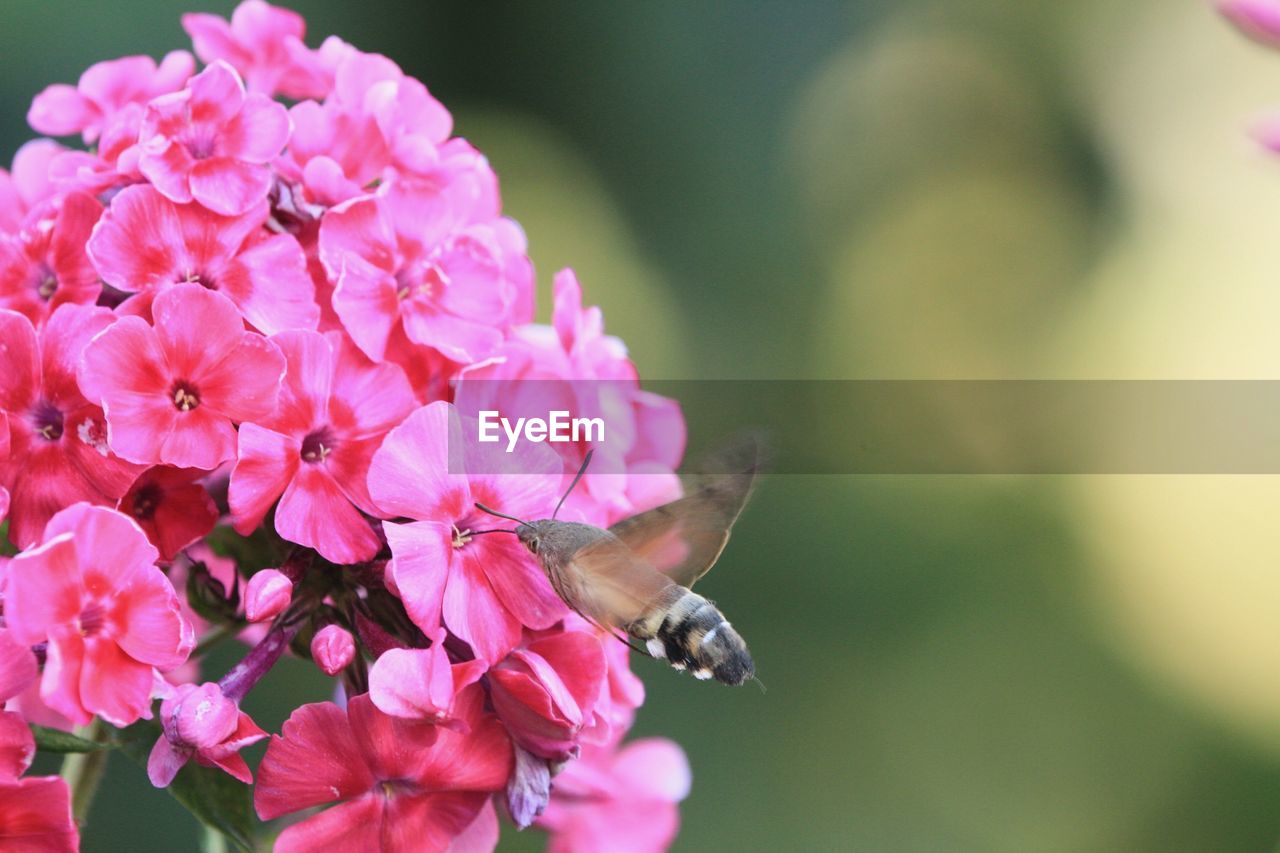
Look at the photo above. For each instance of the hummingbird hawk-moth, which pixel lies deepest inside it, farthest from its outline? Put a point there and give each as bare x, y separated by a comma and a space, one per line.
638, 575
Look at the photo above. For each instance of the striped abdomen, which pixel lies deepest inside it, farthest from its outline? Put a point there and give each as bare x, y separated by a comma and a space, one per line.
692, 634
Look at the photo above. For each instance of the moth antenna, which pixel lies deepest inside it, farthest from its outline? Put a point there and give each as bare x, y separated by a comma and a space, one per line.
576, 477
484, 508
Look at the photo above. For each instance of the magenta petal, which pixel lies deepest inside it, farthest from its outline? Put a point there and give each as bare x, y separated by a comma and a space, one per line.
168, 167
474, 613
409, 475
43, 590
197, 328
125, 365
366, 302
98, 530
229, 187
421, 552
17, 746
113, 685
60, 110
654, 767
315, 512
245, 385
356, 825
60, 683
266, 464
270, 284
258, 132
19, 362
413, 683
165, 761
315, 760
147, 621
139, 218
201, 438
18, 669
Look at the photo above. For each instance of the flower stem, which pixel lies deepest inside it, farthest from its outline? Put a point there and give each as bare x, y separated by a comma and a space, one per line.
83, 771
237, 683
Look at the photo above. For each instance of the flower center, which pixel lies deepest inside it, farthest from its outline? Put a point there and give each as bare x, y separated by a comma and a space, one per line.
317, 446
201, 144
47, 421
461, 537
91, 619
145, 501
185, 397
201, 278
46, 283
419, 283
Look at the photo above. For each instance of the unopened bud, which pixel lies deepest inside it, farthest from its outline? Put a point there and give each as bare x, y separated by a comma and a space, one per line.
198, 716
266, 594
332, 648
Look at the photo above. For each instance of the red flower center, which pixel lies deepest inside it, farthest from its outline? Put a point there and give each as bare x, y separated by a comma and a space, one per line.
185, 397
145, 501
45, 282
317, 446
91, 619
47, 421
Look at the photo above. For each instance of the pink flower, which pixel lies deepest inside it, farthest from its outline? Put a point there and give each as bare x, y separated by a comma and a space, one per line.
171, 507
212, 143
545, 691
401, 785
147, 243
609, 800
332, 648
409, 257
35, 813
45, 264
56, 438
314, 452
266, 595
104, 90
421, 684
172, 392
485, 587
263, 43
201, 722
111, 624
376, 124
1258, 19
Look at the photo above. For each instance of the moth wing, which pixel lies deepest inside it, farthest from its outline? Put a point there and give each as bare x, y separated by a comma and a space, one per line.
684, 538
609, 584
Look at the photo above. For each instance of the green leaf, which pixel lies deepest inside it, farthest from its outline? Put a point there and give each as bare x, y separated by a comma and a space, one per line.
217, 800
52, 740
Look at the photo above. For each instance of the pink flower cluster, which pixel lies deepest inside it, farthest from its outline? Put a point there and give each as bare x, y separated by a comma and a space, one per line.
228, 324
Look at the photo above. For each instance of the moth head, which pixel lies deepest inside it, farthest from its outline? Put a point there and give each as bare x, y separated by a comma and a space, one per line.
528, 535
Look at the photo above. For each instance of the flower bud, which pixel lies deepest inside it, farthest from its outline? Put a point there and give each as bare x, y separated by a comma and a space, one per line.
332, 648
198, 716
267, 593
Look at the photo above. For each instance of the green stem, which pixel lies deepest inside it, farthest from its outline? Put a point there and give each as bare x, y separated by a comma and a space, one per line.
83, 771
212, 841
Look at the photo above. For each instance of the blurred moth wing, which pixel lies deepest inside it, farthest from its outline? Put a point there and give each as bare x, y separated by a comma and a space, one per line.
636, 575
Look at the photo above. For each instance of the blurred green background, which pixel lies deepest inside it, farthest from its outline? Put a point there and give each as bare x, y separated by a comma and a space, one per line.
950, 189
